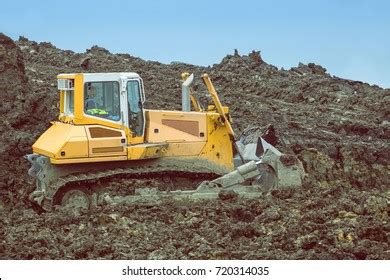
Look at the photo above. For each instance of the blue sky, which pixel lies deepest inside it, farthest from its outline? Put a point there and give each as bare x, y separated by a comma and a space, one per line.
349, 38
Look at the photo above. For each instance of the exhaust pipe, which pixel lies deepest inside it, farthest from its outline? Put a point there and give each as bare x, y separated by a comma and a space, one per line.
185, 92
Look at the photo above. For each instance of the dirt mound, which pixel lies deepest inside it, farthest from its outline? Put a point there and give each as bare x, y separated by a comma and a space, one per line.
345, 120
338, 128
13, 88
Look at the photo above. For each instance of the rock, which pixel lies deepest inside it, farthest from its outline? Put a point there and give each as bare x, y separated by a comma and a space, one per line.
85, 63
114, 217
157, 255
377, 206
241, 214
272, 214
307, 242
2, 51
227, 195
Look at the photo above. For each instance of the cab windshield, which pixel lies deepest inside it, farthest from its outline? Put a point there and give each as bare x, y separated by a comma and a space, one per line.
101, 99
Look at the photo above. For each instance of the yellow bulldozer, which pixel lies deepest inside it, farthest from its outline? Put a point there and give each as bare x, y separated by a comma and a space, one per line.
104, 133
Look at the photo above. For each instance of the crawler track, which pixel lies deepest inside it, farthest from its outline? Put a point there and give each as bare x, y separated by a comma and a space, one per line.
54, 180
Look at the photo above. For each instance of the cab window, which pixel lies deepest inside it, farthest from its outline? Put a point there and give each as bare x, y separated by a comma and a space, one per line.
66, 88
134, 105
69, 102
101, 99
133, 96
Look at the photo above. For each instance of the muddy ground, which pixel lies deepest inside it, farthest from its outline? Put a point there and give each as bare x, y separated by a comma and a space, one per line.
338, 128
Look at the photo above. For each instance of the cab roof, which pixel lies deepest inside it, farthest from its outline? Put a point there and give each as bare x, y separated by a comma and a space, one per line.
100, 76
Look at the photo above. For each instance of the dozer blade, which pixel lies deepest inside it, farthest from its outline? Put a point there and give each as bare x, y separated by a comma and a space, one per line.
278, 170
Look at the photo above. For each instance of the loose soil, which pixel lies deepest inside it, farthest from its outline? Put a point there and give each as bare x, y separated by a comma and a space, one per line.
339, 129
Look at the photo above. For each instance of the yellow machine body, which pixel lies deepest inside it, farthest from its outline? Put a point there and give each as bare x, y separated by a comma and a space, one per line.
101, 135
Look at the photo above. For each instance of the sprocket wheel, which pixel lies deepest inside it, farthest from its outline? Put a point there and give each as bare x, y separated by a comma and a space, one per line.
76, 198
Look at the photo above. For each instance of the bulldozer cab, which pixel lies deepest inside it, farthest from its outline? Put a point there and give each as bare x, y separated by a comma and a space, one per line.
110, 99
